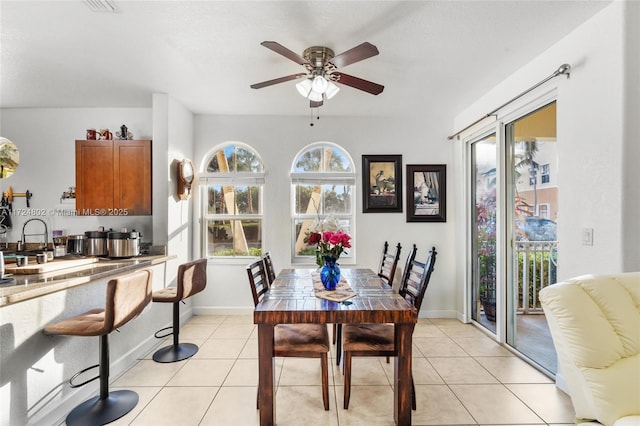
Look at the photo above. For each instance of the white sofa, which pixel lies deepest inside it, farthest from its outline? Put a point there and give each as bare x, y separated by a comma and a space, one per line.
595, 325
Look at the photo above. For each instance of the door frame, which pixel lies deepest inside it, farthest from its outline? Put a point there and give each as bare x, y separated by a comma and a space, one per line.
504, 234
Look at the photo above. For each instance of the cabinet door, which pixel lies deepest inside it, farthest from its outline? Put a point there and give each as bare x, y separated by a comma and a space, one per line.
94, 176
132, 177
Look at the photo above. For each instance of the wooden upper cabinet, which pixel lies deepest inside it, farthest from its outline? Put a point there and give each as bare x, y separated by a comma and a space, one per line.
113, 177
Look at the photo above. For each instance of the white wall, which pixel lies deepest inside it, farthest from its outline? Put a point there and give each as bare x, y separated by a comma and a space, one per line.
45, 138
595, 125
172, 219
420, 140
631, 154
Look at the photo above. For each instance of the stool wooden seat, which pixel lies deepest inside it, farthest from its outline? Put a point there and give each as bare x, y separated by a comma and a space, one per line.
192, 279
126, 298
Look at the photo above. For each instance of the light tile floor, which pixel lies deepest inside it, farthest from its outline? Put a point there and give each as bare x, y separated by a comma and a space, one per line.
461, 376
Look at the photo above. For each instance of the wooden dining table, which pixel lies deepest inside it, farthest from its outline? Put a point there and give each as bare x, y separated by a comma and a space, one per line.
291, 299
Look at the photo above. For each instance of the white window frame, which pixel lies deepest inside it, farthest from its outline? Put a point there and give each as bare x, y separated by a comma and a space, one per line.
542, 206
543, 168
324, 178
232, 179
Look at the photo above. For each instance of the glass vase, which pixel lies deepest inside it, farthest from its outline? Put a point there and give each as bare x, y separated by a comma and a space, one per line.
330, 273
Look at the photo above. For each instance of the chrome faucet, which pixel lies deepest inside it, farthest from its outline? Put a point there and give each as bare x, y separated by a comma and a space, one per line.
46, 232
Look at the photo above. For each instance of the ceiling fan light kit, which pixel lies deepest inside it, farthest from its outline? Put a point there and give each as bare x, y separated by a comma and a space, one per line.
321, 65
320, 84
304, 87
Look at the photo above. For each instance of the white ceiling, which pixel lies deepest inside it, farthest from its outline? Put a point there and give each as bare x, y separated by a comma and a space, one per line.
205, 54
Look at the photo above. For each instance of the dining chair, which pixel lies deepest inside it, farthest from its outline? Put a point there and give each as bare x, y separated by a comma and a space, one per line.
386, 271
293, 340
379, 339
407, 266
268, 267
388, 263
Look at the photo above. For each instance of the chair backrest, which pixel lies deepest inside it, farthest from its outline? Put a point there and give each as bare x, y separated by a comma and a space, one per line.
388, 263
257, 280
127, 296
268, 267
192, 278
417, 279
407, 266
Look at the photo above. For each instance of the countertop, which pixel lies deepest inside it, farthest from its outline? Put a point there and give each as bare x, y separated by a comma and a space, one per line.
24, 287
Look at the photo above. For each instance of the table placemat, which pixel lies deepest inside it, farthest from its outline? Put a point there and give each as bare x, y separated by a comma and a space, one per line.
342, 292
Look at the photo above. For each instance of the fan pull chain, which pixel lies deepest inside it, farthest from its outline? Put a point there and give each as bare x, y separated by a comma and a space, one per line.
311, 114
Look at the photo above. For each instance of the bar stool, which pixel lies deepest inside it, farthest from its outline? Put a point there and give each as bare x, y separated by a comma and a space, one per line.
126, 298
192, 279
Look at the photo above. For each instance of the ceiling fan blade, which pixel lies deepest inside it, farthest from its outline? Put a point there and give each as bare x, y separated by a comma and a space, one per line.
358, 53
278, 48
315, 104
358, 83
277, 80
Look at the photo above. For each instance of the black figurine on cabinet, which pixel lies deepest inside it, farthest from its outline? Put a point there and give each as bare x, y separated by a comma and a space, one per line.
124, 133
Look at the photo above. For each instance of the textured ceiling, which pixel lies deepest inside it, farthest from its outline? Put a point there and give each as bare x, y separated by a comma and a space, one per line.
205, 54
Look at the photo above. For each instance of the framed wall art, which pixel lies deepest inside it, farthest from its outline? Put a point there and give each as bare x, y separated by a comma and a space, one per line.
381, 183
426, 193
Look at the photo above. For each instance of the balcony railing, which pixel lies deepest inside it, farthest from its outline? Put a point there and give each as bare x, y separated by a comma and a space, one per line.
535, 269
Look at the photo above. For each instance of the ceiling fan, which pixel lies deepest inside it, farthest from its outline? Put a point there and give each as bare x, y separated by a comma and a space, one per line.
322, 71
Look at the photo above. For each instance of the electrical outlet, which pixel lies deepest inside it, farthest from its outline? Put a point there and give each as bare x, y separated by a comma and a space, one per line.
587, 236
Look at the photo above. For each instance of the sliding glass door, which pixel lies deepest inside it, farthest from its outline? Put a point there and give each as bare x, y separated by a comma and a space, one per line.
532, 252
483, 231
513, 191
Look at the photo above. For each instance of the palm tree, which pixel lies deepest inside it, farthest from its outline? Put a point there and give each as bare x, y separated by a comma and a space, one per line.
530, 149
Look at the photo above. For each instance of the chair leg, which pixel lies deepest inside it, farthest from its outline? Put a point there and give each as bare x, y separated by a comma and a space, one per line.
177, 351
324, 361
335, 330
347, 379
108, 406
338, 342
413, 395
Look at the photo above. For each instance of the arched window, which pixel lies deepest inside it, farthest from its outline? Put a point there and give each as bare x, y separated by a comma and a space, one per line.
232, 182
323, 180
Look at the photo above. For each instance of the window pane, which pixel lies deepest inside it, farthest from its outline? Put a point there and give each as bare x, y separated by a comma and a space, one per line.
225, 199
234, 237
337, 198
306, 202
247, 161
338, 161
309, 161
325, 199
323, 159
215, 204
215, 166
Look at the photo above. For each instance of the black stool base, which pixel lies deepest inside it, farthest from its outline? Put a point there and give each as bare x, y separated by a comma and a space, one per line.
175, 353
96, 411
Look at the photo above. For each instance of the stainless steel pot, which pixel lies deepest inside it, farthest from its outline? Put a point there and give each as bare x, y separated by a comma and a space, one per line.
75, 244
96, 243
123, 244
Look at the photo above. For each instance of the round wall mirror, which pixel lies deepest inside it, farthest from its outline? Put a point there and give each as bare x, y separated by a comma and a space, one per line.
9, 158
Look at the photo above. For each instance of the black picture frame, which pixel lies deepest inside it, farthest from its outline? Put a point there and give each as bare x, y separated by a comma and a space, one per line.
426, 192
381, 183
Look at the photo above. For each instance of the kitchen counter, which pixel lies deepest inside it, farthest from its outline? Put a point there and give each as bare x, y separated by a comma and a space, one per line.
29, 286
35, 366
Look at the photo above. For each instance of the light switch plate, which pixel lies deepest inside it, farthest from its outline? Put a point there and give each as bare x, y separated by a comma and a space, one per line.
587, 236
